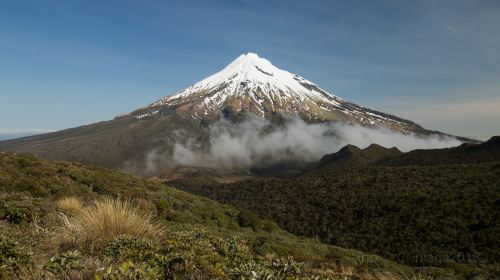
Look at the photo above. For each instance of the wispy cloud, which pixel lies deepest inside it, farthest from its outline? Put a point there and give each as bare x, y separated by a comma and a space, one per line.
259, 142
16, 131
446, 25
7, 133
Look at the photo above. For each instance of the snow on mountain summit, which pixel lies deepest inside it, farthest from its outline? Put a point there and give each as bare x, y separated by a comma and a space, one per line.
252, 72
252, 84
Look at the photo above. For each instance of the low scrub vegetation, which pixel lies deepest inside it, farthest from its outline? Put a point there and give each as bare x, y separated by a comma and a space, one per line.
65, 221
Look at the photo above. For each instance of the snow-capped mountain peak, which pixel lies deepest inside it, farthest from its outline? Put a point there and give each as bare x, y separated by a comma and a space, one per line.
254, 85
249, 71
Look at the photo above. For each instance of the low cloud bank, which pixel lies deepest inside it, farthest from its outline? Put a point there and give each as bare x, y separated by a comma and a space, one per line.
236, 146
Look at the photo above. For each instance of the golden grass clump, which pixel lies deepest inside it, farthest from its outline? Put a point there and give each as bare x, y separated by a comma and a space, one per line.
109, 218
70, 204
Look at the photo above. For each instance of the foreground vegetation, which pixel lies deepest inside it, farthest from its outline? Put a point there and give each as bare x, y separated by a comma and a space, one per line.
61, 220
444, 211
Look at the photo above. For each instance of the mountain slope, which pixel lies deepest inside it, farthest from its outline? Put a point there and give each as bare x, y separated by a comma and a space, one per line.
122, 144
249, 85
252, 84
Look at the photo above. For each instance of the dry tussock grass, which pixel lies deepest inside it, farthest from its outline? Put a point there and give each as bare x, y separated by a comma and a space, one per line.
70, 204
94, 225
109, 218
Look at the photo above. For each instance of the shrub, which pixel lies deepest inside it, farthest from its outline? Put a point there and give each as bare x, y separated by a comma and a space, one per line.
65, 264
270, 226
126, 247
32, 186
109, 218
278, 269
184, 254
12, 254
18, 209
202, 252
261, 245
249, 219
131, 270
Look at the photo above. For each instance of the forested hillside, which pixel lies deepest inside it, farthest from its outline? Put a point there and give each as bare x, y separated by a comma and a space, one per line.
442, 215
488, 151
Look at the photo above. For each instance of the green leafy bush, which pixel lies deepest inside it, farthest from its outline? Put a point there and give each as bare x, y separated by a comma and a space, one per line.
12, 253
65, 263
279, 269
249, 219
185, 253
130, 248
131, 270
19, 209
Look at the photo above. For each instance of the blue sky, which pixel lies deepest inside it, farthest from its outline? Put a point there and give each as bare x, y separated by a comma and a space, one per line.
66, 63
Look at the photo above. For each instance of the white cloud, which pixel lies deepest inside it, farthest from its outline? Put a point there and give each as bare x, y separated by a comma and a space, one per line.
15, 131
256, 141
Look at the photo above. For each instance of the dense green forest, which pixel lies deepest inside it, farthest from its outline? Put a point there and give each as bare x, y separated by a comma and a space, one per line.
441, 215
